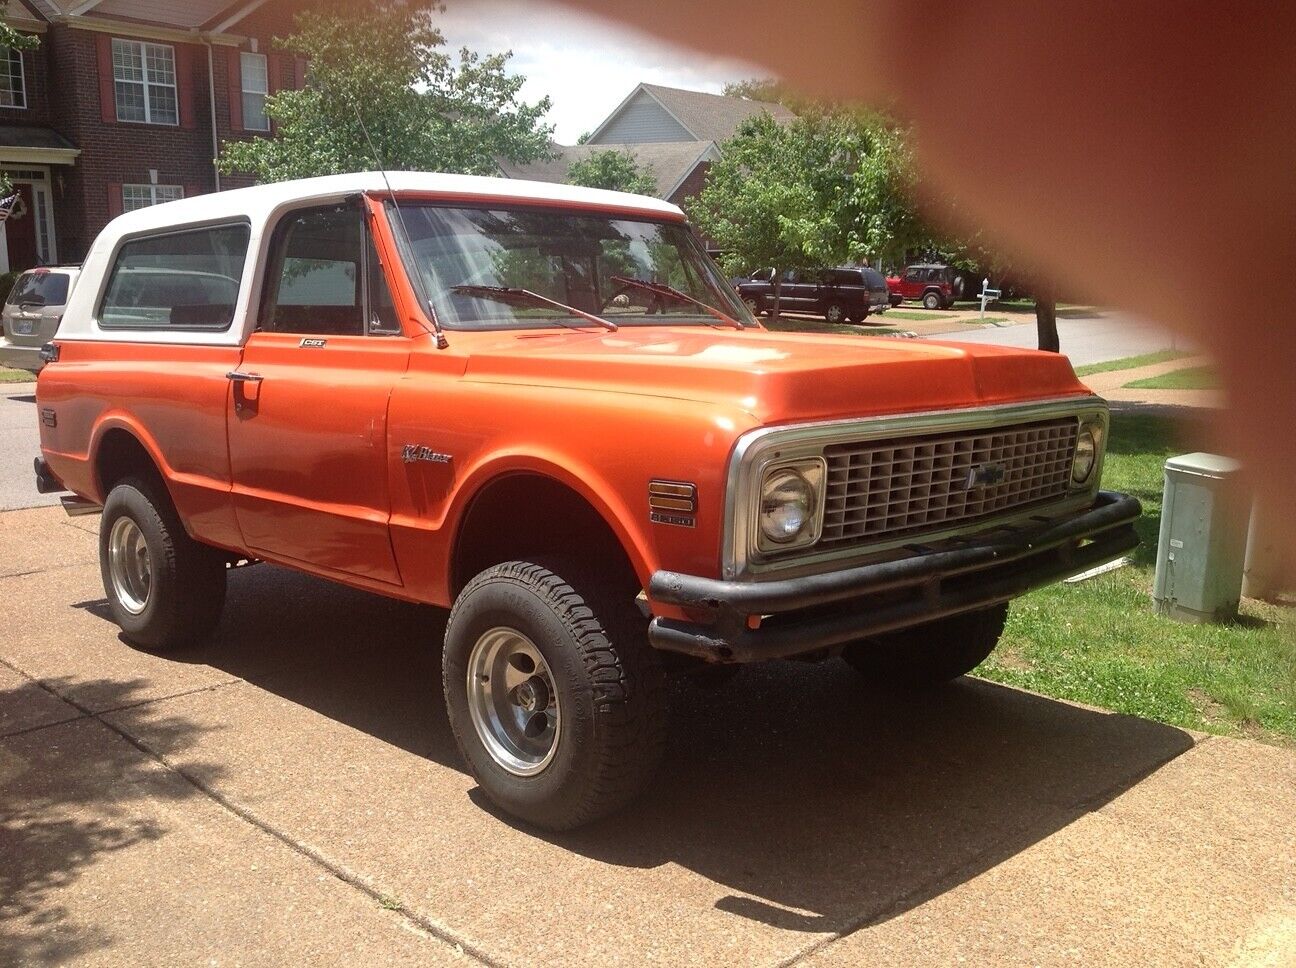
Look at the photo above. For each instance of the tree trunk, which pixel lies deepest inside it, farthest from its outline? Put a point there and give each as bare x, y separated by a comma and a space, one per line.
1046, 319
777, 279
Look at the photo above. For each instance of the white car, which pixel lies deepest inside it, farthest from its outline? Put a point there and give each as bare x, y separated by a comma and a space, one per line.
32, 314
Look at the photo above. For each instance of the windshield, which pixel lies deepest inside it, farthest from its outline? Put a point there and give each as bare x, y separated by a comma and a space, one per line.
589, 263
47, 288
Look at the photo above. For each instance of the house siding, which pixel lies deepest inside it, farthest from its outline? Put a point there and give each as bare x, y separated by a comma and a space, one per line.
642, 121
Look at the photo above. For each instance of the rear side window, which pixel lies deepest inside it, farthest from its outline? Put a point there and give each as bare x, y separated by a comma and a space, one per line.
873, 279
43, 288
181, 280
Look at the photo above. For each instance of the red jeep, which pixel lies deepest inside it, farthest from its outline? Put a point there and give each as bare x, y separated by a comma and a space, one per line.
932, 285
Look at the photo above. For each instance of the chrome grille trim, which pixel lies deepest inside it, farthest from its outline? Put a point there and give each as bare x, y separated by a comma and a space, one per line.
907, 485
758, 448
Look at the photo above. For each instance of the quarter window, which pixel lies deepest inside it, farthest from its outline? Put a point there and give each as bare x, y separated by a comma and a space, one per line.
142, 196
253, 68
326, 278
181, 280
13, 79
144, 82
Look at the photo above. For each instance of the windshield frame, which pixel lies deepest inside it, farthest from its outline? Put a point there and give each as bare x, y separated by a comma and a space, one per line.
711, 277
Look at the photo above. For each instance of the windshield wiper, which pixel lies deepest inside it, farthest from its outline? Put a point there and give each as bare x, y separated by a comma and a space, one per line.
661, 289
524, 297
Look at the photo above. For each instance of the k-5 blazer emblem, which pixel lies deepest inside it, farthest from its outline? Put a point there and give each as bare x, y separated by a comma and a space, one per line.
985, 474
412, 453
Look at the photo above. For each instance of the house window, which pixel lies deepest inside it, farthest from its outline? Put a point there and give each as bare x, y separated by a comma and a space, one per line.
144, 81
13, 81
253, 68
142, 196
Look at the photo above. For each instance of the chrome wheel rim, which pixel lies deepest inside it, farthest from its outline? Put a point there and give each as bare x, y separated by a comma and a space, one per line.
835, 314
512, 701
129, 567
753, 306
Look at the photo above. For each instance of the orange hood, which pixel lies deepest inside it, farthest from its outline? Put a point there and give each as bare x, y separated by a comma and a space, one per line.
776, 377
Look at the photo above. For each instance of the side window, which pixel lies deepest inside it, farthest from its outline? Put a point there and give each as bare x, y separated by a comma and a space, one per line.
181, 280
324, 275
912, 275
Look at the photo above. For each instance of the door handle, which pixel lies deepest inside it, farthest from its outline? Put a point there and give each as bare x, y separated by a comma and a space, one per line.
239, 377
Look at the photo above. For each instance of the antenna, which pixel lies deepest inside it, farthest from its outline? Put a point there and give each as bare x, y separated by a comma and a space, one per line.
441, 341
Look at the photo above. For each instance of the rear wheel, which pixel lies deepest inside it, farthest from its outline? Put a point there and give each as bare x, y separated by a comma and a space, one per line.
164, 589
929, 654
835, 312
555, 698
933, 300
753, 305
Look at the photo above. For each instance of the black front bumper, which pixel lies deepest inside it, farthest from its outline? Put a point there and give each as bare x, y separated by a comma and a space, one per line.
807, 614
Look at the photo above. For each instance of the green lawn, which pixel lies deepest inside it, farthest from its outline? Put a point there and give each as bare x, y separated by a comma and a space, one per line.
15, 376
988, 321
1130, 362
1098, 642
916, 315
1192, 378
786, 324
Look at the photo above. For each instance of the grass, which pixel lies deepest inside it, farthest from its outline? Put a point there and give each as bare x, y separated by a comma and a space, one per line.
988, 321
1131, 362
787, 324
916, 315
15, 376
1099, 642
1191, 378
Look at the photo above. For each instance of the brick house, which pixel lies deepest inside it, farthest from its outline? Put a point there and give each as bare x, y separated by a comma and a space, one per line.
674, 132
124, 104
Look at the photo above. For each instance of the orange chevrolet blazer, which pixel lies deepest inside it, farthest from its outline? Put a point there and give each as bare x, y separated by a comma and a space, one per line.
543, 408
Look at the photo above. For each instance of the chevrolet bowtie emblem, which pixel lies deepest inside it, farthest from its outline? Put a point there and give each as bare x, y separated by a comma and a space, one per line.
984, 475
412, 453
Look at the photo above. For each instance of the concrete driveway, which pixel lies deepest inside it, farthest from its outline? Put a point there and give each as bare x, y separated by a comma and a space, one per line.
290, 794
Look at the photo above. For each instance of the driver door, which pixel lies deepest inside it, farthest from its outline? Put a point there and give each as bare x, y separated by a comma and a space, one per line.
308, 407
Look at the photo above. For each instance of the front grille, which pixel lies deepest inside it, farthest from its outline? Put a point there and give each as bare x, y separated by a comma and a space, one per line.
887, 488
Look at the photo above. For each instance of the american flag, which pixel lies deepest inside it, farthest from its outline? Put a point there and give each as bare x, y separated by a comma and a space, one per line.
7, 205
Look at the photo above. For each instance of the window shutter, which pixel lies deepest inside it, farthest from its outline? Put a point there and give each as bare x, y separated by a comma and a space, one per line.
107, 96
274, 72
185, 84
114, 199
235, 89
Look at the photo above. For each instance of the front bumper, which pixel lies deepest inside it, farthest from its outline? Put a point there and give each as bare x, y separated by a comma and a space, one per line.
807, 614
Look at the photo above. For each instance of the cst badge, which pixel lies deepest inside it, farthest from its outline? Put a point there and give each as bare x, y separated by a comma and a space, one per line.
413, 453
985, 475
672, 502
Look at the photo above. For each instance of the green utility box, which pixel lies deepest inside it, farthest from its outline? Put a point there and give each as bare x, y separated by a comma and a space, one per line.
1203, 539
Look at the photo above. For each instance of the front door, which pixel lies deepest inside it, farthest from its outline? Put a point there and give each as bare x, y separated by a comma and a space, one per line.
308, 403
20, 230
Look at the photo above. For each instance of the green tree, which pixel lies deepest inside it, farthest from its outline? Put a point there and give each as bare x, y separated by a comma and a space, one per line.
787, 196
423, 108
615, 170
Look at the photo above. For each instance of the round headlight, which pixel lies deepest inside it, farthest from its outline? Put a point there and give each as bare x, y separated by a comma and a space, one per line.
786, 505
1086, 456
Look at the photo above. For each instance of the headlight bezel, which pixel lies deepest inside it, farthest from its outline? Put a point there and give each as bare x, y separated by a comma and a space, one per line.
811, 471
1096, 429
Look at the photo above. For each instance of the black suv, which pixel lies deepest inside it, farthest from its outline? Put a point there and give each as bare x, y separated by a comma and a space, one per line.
848, 293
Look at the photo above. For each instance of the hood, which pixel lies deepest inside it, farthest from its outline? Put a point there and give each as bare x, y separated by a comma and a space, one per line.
776, 377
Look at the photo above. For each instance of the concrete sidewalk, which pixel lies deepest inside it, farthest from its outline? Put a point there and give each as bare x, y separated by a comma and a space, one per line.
290, 794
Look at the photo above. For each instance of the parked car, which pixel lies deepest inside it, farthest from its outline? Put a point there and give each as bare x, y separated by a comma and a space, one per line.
547, 411
847, 293
935, 286
32, 313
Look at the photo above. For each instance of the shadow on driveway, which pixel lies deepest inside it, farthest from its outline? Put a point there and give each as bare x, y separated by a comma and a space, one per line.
819, 803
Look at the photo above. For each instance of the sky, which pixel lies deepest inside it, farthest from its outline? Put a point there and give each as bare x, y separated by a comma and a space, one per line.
587, 66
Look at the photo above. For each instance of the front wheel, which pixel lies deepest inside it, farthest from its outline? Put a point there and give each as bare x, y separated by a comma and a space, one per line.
555, 698
164, 589
929, 654
835, 313
753, 305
